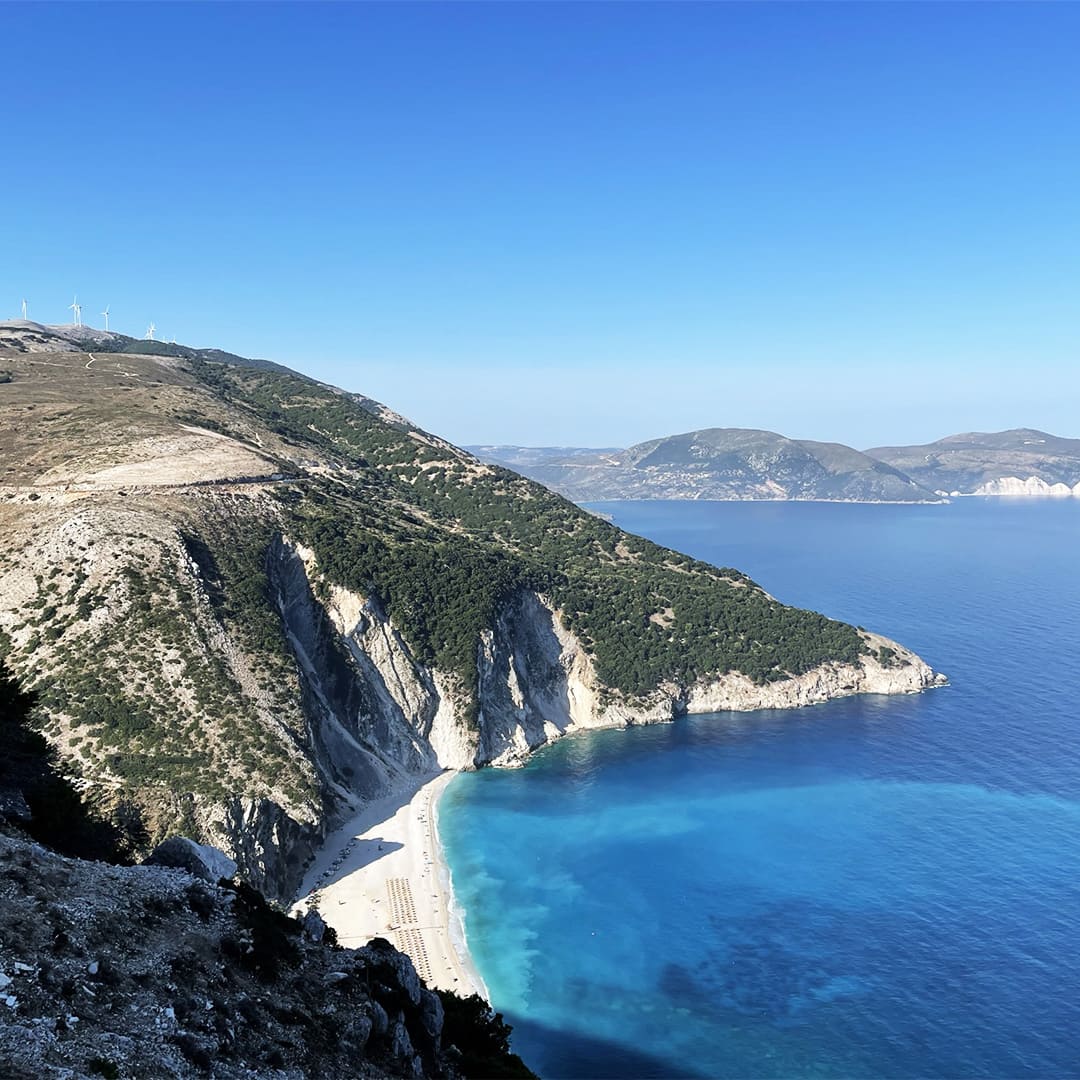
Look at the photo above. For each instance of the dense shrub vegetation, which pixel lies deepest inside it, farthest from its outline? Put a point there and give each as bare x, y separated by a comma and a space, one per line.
441, 542
182, 722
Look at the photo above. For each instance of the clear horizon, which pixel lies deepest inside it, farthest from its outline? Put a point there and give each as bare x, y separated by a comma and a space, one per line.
599, 446
571, 225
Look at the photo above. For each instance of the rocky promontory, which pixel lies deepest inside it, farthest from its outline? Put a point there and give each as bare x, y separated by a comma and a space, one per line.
252, 604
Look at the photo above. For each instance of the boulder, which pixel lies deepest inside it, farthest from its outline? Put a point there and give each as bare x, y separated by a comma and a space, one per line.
357, 1030
401, 1046
199, 859
380, 1022
432, 1014
314, 925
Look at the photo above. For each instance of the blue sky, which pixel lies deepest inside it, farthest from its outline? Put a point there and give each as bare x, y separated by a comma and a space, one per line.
571, 223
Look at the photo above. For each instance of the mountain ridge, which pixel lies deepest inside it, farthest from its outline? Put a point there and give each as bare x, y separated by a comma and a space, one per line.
976, 462
719, 463
251, 602
753, 464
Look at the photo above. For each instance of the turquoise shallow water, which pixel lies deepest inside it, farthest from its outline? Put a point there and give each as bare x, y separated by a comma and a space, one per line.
873, 887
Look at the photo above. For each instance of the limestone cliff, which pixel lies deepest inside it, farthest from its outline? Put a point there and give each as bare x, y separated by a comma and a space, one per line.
1032, 486
536, 684
250, 603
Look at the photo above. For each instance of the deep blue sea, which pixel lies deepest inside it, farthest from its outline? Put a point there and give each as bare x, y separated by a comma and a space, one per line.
876, 887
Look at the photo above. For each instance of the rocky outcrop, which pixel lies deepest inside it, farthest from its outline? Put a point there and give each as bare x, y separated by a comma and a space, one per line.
538, 683
271, 846
888, 669
201, 860
151, 971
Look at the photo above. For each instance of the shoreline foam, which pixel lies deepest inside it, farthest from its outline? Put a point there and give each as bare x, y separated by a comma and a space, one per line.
384, 874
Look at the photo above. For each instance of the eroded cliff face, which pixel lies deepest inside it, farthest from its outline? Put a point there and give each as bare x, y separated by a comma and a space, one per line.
272, 847
351, 713
377, 714
363, 696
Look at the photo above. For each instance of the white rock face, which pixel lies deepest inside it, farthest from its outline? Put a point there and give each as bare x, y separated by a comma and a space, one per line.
386, 715
905, 674
535, 684
369, 704
368, 718
1033, 485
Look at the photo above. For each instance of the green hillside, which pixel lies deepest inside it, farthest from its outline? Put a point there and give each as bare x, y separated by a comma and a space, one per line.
443, 542
152, 512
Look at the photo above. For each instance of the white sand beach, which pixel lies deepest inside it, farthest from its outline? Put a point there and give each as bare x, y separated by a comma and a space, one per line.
383, 874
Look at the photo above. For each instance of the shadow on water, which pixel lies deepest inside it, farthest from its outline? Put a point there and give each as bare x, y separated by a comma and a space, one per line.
566, 1055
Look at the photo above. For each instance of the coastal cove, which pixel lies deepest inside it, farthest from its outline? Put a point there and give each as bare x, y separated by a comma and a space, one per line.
873, 886
383, 874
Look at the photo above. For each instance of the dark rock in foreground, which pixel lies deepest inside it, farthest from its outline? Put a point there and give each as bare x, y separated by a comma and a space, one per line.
149, 971
203, 861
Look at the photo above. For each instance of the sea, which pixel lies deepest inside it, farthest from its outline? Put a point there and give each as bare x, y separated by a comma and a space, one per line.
873, 887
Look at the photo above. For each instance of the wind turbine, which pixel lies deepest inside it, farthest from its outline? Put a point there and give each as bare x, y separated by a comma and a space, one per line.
150, 332
106, 314
24, 310
77, 308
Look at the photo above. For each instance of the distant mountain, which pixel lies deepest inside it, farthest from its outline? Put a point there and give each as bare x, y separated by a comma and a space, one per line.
715, 463
1022, 461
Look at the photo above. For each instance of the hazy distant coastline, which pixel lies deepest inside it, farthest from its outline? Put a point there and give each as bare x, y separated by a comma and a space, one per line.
739, 464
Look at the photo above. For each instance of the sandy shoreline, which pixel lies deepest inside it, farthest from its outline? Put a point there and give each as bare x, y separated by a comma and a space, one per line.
383, 874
